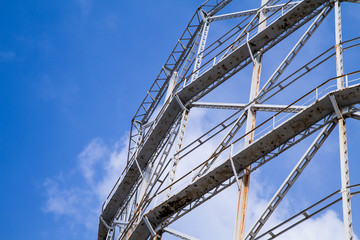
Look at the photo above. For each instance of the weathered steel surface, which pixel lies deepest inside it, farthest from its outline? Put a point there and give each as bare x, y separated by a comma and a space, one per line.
202, 82
262, 146
260, 40
143, 157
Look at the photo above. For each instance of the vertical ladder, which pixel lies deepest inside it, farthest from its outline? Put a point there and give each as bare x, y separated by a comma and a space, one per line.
184, 120
185, 114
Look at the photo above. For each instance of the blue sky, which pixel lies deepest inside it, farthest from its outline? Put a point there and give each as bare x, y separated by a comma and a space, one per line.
73, 74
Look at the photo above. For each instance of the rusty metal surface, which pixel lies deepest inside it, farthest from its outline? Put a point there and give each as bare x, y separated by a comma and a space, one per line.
202, 82
292, 127
133, 173
257, 42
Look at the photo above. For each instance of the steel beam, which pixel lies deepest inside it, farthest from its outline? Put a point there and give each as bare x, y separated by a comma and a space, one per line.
179, 234
355, 115
240, 56
255, 107
289, 129
344, 159
269, 156
276, 31
185, 114
173, 63
290, 180
241, 211
271, 82
222, 145
252, 12
306, 214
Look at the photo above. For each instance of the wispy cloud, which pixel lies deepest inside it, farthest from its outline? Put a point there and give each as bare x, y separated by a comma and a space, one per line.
90, 156
60, 201
218, 214
99, 165
77, 196
74, 202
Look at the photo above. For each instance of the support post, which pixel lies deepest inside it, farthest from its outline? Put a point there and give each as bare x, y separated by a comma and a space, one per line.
185, 114
344, 164
250, 125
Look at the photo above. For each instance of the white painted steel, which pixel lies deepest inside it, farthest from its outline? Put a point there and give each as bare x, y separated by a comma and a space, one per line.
152, 139
171, 110
344, 159
239, 230
295, 125
290, 180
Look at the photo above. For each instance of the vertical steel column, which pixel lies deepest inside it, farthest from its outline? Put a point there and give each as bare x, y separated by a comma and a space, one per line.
344, 163
250, 125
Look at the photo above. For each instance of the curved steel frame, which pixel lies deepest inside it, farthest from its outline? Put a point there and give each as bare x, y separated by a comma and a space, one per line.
149, 175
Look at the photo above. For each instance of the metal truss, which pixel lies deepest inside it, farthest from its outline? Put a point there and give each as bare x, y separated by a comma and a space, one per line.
179, 234
253, 11
302, 71
255, 107
307, 213
265, 48
126, 212
137, 164
222, 145
181, 209
178, 129
282, 67
344, 160
291, 55
153, 155
172, 64
229, 121
156, 174
185, 114
290, 180
176, 158
291, 142
201, 49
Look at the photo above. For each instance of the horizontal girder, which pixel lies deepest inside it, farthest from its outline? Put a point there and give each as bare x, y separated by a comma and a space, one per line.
270, 141
255, 107
172, 108
251, 12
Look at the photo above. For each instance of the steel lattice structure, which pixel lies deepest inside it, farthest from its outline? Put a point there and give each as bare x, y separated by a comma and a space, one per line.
149, 195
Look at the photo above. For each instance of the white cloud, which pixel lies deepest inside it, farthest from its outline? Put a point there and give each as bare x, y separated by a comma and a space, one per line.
59, 201
76, 203
100, 165
90, 156
78, 195
327, 226
218, 214
112, 167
